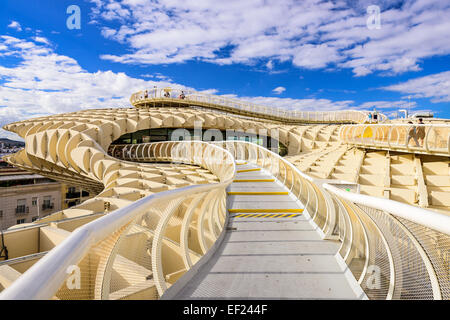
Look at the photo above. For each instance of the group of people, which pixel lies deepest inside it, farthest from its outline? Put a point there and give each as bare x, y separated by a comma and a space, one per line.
373, 117
181, 96
416, 133
166, 95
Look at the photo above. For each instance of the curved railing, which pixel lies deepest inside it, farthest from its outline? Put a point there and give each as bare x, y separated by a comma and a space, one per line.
317, 203
140, 249
169, 96
419, 138
394, 250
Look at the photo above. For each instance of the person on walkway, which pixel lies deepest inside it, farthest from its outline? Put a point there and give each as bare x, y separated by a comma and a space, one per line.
182, 96
421, 131
375, 115
146, 94
167, 94
370, 117
412, 134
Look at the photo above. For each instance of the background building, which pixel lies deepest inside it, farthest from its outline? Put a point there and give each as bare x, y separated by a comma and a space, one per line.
24, 197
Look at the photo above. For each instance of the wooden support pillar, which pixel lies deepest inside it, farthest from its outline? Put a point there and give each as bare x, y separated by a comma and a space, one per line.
387, 176
422, 190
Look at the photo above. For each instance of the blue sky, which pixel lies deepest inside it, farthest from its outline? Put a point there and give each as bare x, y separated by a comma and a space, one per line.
305, 55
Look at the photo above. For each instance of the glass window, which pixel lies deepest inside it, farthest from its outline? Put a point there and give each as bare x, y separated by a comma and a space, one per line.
20, 221
47, 200
34, 201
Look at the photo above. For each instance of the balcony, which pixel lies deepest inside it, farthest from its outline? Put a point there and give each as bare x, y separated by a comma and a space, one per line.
20, 210
47, 206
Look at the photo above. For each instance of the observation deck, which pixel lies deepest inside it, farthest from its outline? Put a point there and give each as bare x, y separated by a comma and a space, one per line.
169, 97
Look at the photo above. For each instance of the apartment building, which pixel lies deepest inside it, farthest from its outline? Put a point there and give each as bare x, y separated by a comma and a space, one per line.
26, 197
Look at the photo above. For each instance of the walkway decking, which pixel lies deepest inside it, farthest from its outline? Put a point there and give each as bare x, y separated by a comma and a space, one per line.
270, 256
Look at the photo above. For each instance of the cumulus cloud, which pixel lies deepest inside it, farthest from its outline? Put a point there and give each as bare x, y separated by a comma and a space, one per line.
314, 104
435, 86
41, 40
279, 90
44, 83
311, 34
15, 25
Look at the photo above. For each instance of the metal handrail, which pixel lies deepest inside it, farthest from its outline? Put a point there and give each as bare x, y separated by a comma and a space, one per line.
147, 97
318, 203
407, 247
431, 219
408, 242
46, 276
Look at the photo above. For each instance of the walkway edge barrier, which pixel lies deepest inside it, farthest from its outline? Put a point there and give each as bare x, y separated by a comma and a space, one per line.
431, 219
45, 277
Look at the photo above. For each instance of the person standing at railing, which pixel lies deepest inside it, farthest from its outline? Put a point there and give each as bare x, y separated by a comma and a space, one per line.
421, 131
375, 115
370, 117
146, 94
182, 96
412, 134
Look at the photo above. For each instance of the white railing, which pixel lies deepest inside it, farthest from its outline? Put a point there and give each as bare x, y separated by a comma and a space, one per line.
419, 138
163, 223
178, 96
317, 202
394, 250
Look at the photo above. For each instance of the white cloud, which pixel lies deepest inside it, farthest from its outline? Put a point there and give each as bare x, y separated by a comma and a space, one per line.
41, 40
15, 25
157, 76
45, 82
314, 104
435, 86
311, 34
279, 90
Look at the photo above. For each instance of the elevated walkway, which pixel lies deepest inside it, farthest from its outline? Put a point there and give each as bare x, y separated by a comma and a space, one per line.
432, 139
270, 251
174, 97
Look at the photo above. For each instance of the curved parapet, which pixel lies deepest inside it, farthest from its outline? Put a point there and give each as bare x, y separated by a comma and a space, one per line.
418, 138
396, 251
176, 97
141, 249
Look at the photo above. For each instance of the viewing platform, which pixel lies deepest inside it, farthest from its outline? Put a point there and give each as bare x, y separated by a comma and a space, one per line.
169, 97
435, 138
